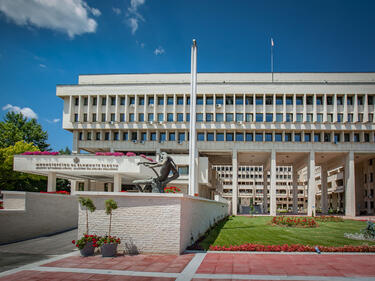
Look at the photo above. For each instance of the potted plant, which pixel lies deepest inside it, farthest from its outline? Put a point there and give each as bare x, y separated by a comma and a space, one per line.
108, 244
87, 243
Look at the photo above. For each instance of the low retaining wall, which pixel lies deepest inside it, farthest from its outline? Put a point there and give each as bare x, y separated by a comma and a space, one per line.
28, 214
151, 222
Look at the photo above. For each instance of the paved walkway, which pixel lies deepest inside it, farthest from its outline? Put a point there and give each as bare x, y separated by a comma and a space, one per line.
202, 266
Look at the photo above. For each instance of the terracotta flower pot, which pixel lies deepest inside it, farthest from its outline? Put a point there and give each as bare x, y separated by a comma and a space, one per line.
109, 249
88, 250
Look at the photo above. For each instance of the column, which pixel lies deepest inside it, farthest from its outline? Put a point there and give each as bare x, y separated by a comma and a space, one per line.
273, 184
51, 187
73, 187
324, 189
265, 189
234, 182
295, 190
349, 185
117, 178
71, 109
75, 142
311, 185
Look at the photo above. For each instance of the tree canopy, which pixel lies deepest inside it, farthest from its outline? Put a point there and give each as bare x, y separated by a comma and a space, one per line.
16, 127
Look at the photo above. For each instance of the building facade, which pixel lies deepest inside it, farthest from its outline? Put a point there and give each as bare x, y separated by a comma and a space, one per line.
298, 120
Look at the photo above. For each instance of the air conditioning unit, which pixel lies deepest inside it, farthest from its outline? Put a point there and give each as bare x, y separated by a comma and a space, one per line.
111, 122
151, 122
134, 141
218, 105
132, 105
142, 142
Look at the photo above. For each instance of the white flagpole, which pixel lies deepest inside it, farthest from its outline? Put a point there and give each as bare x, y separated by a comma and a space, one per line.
193, 153
272, 58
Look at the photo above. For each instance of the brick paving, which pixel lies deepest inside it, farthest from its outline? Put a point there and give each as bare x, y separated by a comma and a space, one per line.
203, 266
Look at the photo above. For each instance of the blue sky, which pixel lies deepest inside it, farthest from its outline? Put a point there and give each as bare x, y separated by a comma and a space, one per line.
44, 45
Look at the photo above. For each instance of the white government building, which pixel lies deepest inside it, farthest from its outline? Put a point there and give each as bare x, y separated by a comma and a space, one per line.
311, 135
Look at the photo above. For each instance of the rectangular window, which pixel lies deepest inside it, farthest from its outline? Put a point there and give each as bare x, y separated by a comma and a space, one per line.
349, 100
181, 137
104, 101
249, 136
141, 101
370, 100
360, 100
339, 100
97, 136
307, 137
125, 136
269, 100
219, 100
329, 100
199, 100
153, 136
113, 117
229, 117
180, 100
371, 117
249, 117
94, 101
131, 117
356, 137
259, 100
350, 117
151, 100
289, 117
309, 100
259, 117
170, 117
94, 117
160, 100
366, 137
160, 117
183, 170
150, 117
106, 136
327, 137
220, 137
199, 117
239, 117
188, 100
289, 100
346, 137
122, 101
187, 117
141, 117
172, 136
113, 100
103, 117
309, 117
239, 100
170, 100
299, 101
297, 137
319, 117
279, 100
299, 117
209, 117
134, 136
84, 117
319, 100
269, 117
278, 137
209, 100
268, 137
122, 117
80, 136
180, 117
330, 118
131, 100
360, 117
229, 100
115, 136
75, 117
340, 116
259, 137
85, 101
162, 137
239, 136
336, 138
279, 117
249, 100
76, 102
229, 137
210, 136
288, 137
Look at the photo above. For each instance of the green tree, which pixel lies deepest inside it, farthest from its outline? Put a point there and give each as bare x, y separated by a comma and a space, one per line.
110, 205
17, 181
16, 127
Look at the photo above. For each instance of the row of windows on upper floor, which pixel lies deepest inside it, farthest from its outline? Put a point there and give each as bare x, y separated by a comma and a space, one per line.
230, 100
229, 117
238, 137
251, 168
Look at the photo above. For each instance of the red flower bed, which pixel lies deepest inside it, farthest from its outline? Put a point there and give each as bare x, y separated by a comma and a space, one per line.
294, 221
57, 192
172, 189
291, 248
1, 205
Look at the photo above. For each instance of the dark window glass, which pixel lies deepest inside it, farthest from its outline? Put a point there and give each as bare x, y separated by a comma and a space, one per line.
141, 101
180, 117
172, 136
187, 117
327, 137
356, 137
162, 137
103, 117
249, 100
160, 117
339, 101
307, 137
209, 100
259, 117
229, 100
239, 100
200, 136
239, 136
229, 117
329, 100
134, 136
160, 100
347, 137
249, 137
279, 100
181, 137
230, 137
151, 117
209, 117
299, 101
115, 136
104, 101
97, 136
259, 100
122, 101
141, 117
106, 136
336, 138
180, 100
170, 100
269, 117
220, 137
113, 100
268, 137
289, 100
319, 100
219, 100
297, 137
316, 137
94, 101
199, 117
132, 100
199, 100
153, 136
288, 137
309, 100
125, 136
269, 100
258, 137
131, 117
210, 136
151, 100
278, 137
170, 117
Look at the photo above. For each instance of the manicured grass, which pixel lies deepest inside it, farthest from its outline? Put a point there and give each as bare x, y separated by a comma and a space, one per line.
258, 230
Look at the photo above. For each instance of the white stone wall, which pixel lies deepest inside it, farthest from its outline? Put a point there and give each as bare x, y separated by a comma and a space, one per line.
43, 214
152, 223
14, 200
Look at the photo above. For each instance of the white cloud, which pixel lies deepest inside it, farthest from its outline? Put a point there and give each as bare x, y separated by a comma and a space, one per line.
26, 111
68, 16
55, 120
42, 65
117, 11
159, 51
133, 16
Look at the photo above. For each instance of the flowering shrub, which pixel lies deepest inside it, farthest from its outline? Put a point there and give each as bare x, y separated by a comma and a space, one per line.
294, 221
57, 192
292, 248
109, 154
129, 154
147, 158
329, 219
40, 153
1, 205
80, 244
108, 240
172, 189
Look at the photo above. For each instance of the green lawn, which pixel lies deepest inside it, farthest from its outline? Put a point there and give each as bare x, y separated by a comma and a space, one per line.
258, 230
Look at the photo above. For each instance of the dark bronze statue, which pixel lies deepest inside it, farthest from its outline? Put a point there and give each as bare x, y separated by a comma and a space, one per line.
158, 183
